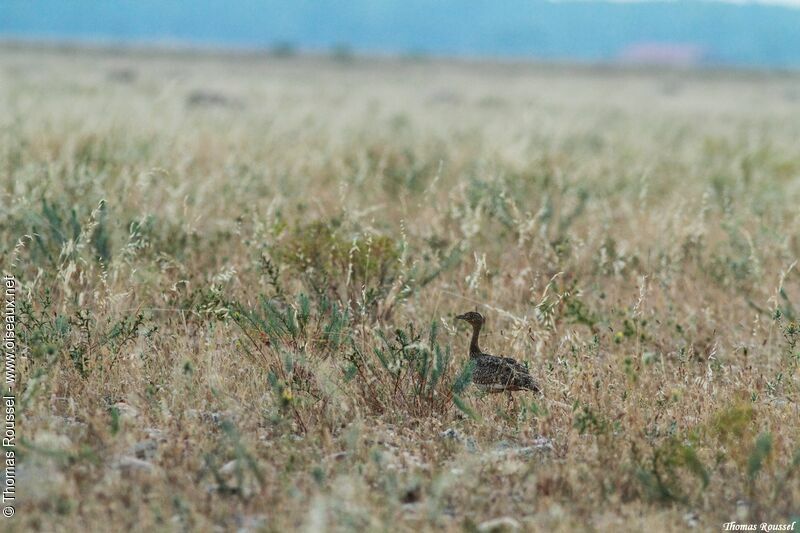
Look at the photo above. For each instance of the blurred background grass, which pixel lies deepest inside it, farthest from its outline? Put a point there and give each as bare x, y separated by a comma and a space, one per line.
239, 275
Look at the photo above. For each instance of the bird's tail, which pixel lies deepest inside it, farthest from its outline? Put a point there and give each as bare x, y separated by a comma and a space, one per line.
527, 382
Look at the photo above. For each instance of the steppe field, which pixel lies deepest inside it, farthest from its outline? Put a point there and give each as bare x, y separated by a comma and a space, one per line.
237, 277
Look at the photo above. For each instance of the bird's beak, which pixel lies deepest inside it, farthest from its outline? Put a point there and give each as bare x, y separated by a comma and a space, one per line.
461, 317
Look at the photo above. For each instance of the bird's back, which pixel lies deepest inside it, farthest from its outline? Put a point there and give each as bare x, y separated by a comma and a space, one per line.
499, 374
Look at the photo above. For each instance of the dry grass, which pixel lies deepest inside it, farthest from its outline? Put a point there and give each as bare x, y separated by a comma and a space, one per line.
242, 273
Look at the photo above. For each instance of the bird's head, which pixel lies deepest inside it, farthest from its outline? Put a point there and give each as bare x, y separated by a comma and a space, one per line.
473, 318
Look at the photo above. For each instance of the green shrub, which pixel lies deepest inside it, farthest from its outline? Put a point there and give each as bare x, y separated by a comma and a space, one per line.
362, 266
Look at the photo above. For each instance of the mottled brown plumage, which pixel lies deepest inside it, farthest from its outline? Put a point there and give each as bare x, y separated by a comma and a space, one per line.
492, 373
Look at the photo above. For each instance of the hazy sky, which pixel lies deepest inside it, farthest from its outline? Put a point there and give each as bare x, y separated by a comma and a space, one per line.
763, 33
793, 3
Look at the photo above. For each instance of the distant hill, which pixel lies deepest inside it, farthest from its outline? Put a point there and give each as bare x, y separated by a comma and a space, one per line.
719, 33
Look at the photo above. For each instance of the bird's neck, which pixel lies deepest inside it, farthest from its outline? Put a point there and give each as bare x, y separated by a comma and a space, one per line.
474, 349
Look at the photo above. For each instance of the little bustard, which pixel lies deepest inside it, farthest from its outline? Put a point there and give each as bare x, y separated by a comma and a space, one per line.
492, 373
